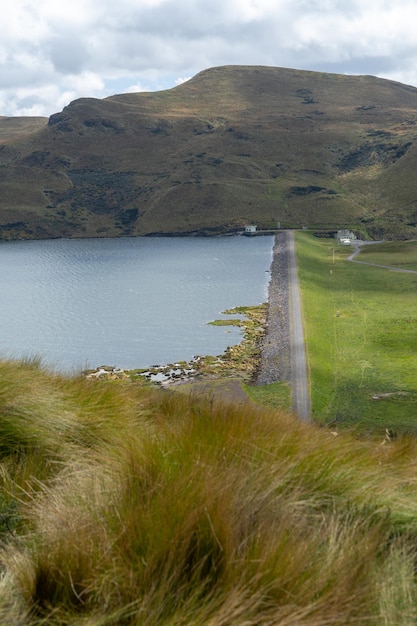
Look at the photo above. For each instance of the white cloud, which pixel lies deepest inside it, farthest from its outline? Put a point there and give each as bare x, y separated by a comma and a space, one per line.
52, 51
136, 88
181, 81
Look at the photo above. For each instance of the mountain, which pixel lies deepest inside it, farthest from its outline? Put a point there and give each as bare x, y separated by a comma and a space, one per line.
232, 146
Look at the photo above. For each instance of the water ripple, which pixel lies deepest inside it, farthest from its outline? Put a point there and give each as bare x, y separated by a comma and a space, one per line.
126, 302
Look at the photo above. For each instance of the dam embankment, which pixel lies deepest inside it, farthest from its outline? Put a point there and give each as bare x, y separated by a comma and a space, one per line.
275, 363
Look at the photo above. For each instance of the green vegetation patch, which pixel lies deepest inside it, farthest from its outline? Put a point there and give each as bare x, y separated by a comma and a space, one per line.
361, 336
274, 395
240, 360
231, 322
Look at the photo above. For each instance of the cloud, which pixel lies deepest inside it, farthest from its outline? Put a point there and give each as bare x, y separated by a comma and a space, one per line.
181, 81
52, 52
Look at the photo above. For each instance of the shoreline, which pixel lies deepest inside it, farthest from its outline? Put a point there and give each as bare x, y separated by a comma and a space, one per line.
263, 355
239, 360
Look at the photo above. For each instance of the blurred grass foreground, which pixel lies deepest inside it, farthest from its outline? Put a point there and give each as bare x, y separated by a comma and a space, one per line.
123, 504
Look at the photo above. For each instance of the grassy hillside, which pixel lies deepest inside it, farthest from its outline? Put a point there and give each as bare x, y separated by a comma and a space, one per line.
134, 506
12, 128
234, 145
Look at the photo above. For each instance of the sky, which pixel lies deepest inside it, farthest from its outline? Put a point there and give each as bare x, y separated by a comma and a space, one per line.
55, 51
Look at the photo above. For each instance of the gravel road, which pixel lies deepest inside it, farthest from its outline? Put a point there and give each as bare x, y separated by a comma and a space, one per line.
300, 388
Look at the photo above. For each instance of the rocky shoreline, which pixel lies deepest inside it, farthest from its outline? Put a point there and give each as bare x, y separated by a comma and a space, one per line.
275, 365
238, 361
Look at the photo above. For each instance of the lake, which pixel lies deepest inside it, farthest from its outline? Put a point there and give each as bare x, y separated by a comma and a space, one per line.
130, 302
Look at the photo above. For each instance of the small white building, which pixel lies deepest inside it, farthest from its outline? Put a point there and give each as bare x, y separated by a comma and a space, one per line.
345, 237
250, 229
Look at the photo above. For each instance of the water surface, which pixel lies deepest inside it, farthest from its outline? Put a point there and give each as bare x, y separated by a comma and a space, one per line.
130, 302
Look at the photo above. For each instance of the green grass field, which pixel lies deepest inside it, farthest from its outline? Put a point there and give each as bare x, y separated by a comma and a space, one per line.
401, 254
274, 395
361, 334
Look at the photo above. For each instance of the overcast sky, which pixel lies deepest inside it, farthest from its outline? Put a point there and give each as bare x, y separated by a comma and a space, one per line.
54, 51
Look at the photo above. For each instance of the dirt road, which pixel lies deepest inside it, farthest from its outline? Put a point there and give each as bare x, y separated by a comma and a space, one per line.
299, 371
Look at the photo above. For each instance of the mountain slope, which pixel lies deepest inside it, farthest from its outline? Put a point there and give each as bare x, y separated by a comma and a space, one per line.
234, 145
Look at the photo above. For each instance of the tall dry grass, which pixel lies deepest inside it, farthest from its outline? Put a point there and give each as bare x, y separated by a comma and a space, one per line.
144, 507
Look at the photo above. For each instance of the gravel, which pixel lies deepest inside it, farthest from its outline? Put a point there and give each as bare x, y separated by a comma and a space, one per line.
275, 365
